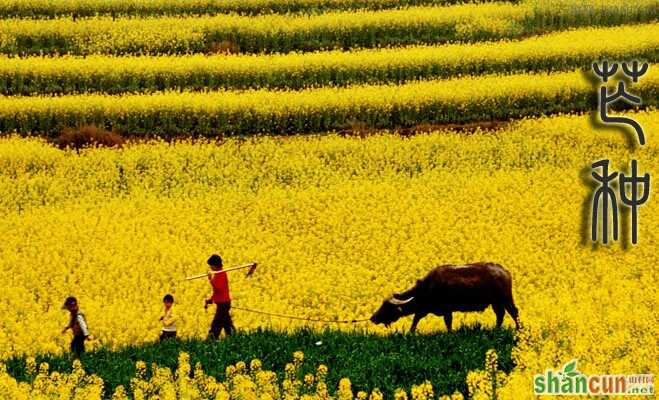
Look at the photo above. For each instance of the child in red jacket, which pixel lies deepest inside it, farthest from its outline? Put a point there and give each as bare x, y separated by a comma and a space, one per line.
221, 298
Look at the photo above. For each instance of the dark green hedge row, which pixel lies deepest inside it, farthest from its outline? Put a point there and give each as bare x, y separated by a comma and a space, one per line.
369, 361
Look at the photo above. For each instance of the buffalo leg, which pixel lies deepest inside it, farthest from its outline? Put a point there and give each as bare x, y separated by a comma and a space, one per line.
415, 321
448, 320
500, 312
512, 310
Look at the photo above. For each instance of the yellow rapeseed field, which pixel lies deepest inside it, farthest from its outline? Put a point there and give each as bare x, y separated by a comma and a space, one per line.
339, 217
559, 51
49, 8
315, 109
336, 224
282, 33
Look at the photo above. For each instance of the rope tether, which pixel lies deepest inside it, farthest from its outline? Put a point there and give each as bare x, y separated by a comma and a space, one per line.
345, 321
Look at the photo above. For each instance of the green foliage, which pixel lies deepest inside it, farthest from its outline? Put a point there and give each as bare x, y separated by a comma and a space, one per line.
368, 360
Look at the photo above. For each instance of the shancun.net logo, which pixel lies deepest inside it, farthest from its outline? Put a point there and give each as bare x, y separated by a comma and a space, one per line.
569, 381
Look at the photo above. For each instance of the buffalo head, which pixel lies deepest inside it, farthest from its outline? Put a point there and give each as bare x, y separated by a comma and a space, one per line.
390, 311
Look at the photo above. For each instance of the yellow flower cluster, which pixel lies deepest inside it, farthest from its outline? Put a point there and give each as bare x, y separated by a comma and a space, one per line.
483, 385
455, 396
336, 224
76, 385
280, 33
423, 391
315, 109
241, 383
558, 51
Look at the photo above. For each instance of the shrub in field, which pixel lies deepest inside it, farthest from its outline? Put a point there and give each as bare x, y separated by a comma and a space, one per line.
223, 47
88, 136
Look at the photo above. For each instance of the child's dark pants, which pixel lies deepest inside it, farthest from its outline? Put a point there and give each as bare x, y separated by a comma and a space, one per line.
78, 345
167, 335
222, 320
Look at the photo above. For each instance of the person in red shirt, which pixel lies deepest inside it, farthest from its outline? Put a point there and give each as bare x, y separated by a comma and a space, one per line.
221, 298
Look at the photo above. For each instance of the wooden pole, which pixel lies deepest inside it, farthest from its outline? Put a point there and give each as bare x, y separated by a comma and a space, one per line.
251, 266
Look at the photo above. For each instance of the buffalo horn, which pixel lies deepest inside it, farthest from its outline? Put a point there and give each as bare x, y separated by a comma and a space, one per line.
397, 302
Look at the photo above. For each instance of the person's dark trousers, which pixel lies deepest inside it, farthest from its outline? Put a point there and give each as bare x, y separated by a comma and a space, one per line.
222, 320
78, 345
167, 335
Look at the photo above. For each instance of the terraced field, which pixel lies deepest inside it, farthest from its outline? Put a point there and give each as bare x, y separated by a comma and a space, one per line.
562, 51
348, 146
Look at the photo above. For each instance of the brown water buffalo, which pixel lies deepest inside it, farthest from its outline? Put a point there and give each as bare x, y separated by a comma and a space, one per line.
449, 288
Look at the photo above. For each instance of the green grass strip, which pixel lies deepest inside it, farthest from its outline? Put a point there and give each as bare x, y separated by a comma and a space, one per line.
369, 361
